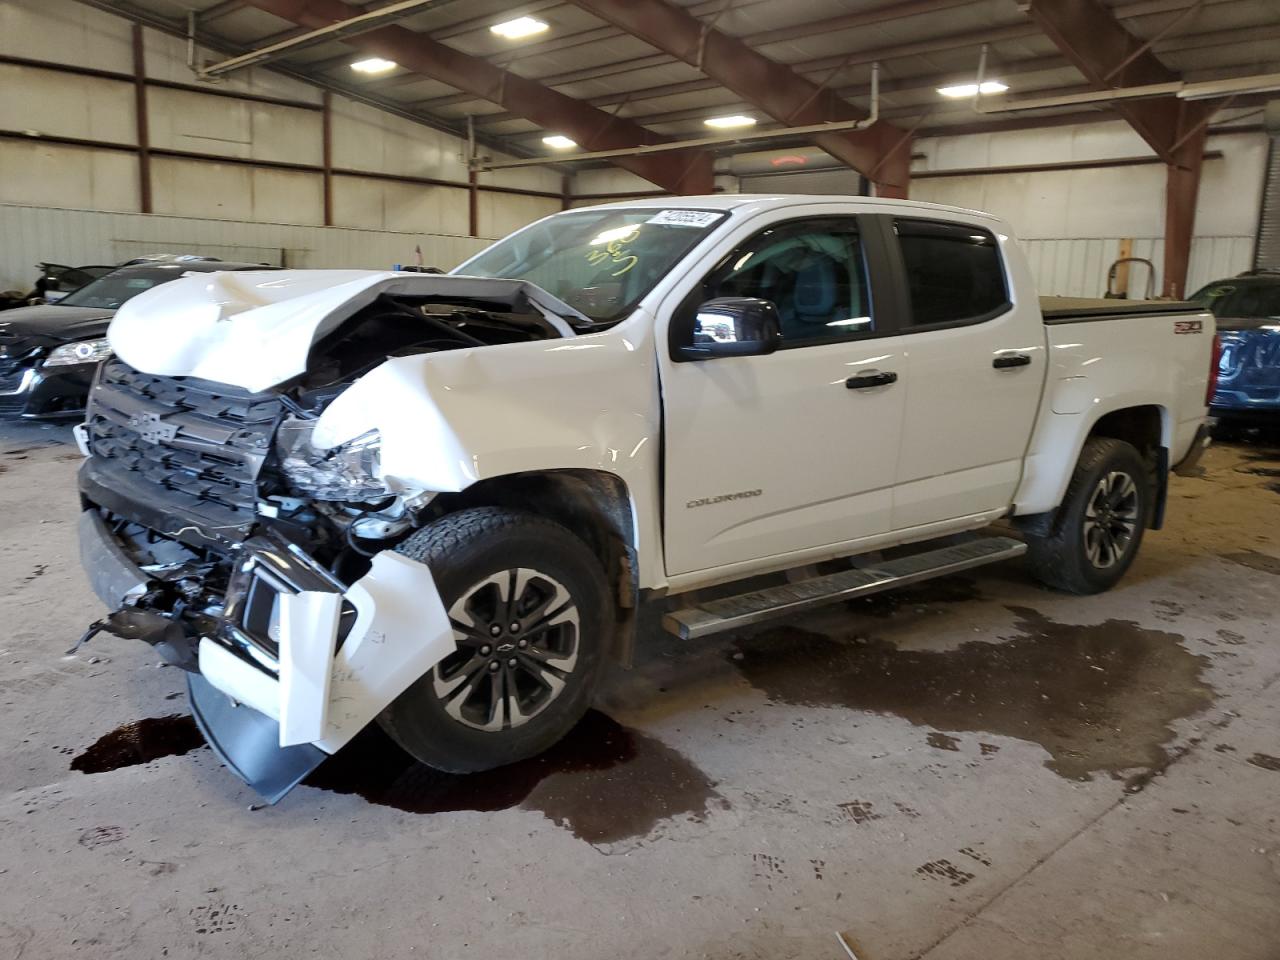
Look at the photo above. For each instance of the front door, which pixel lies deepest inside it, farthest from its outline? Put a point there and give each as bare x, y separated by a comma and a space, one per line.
771, 455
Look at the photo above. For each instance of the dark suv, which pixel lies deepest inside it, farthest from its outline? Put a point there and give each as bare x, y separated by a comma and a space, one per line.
48, 353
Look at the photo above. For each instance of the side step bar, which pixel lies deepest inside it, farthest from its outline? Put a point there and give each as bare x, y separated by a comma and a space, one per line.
748, 609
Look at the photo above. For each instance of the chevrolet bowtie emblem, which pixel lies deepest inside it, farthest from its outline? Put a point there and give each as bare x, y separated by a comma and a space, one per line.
152, 428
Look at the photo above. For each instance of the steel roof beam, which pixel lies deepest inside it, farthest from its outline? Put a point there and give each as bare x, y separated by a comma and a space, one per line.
590, 127
881, 152
1111, 57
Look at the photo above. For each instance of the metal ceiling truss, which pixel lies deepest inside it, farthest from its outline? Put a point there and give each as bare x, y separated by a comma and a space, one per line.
1110, 57
590, 127
881, 152
175, 28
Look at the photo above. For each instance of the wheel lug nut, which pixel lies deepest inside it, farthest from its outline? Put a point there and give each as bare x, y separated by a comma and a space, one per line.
522, 644
485, 650
493, 666
511, 662
515, 628
495, 630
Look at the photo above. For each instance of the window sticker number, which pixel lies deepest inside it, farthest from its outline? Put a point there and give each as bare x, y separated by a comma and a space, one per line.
685, 218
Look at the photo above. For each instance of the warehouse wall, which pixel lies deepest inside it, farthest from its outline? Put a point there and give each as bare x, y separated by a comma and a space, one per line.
69, 141
1071, 222
94, 236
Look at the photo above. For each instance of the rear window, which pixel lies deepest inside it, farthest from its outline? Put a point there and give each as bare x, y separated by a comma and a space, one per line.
1241, 299
954, 272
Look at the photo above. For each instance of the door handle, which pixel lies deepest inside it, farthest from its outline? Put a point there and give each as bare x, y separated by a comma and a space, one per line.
875, 379
1008, 360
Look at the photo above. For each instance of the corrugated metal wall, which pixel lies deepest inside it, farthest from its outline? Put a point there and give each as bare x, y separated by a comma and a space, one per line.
1268, 253
31, 234
1078, 267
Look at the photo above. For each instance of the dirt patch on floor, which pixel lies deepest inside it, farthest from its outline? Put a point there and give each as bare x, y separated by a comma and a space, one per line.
1255, 561
1099, 697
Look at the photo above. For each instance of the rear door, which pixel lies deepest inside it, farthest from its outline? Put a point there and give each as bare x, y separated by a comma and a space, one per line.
770, 455
977, 366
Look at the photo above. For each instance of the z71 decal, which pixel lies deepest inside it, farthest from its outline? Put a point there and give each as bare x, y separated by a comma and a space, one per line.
1188, 326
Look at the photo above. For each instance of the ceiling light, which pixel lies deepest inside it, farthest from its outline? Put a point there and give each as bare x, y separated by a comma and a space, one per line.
559, 142
971, 89
726, 123
519, 28
374, 65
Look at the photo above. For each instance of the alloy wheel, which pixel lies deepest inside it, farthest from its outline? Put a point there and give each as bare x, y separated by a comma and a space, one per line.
517, 635
1111, 519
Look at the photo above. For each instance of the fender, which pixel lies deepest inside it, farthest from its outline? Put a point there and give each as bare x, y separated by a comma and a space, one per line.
453, 419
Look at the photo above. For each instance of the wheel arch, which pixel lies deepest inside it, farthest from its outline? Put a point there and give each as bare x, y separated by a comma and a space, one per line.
1147, 426
594, 505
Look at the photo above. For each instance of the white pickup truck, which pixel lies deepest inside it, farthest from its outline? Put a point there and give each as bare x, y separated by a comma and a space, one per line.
438, 501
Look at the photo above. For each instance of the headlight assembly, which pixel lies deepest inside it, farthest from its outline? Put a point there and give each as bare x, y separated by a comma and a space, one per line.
85, 351
349, 471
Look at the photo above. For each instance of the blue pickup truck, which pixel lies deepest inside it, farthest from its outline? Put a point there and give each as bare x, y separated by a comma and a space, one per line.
1247, 309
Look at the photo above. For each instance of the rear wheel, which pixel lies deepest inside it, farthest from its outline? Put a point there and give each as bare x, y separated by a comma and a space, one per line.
530, 612
1098, 529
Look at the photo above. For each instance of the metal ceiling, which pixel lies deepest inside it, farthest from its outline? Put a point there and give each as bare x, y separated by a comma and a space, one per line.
919, 44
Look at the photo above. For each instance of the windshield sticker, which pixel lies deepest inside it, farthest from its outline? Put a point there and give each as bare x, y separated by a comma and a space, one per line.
685, 218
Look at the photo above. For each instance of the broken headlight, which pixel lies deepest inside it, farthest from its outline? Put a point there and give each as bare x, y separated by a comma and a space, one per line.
349, 471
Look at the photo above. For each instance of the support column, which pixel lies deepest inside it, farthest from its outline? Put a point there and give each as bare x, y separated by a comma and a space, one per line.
140, 113
326, 152
1182, 188
473, 203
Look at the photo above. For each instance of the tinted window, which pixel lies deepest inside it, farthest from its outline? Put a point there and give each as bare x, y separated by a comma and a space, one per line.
954, 273
813, 273
1243, 299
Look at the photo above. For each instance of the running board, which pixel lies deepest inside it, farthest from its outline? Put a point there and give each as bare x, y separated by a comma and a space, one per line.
748, 609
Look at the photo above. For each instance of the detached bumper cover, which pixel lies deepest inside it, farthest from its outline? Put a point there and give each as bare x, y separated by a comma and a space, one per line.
248, 742
300, 665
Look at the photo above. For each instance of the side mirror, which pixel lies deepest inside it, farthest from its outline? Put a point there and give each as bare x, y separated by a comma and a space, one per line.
733, 327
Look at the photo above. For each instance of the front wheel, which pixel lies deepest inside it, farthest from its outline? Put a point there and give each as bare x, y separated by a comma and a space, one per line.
1098, 529
530, 612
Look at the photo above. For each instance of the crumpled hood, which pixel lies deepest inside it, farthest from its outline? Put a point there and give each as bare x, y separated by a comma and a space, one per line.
48, 323
254, 329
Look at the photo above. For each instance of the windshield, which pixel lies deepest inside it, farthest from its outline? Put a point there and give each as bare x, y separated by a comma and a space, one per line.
1242, 299
600, 262
111, 291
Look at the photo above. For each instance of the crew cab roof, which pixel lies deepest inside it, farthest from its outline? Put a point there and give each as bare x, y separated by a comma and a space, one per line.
764, 201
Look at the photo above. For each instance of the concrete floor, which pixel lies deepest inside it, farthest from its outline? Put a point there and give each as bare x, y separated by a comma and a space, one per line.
977, 768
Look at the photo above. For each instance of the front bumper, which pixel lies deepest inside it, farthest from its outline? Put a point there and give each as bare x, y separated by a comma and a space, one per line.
298, 664
47, 393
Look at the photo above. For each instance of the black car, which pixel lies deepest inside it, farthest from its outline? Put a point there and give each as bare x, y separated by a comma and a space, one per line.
48, 353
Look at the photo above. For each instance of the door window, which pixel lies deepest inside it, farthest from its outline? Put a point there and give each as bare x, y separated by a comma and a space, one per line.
812, 272
954, 272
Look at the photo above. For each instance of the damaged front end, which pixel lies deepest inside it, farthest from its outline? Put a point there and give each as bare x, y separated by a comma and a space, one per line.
217, 531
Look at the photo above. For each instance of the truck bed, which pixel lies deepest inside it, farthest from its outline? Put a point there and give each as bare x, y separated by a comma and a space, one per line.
1088, 309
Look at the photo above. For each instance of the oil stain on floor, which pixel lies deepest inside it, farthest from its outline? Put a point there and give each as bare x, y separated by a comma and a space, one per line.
140, 742
603, 782
1098, 698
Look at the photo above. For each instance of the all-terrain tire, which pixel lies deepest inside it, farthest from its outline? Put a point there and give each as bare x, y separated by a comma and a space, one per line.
463, 550
1061, 558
